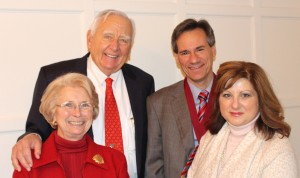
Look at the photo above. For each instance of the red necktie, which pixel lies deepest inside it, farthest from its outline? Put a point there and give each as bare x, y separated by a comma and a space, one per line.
189, 163
202, 97
113, 130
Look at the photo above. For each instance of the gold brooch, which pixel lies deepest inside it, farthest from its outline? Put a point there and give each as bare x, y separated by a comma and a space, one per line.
98, 159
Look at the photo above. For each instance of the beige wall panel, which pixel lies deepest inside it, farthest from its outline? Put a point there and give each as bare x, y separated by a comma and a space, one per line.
147, 7
292, 117
7, 139
28, 41
57, 5
280, 56
234, 37
133, 1
222, 2
152, 47
280, 4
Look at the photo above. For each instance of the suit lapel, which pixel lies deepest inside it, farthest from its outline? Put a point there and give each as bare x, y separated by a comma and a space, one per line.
81, 65
132, 88
140, 123
182, 117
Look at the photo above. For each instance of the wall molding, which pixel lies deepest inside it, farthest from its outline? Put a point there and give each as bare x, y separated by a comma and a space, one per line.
12, 123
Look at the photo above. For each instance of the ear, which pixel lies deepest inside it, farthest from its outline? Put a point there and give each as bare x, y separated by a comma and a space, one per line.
214, 52
176, 57
89, 38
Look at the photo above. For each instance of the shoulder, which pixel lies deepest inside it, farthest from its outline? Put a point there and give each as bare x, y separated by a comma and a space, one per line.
50, 72
278, 149
278, 157
168, 91
129, 69
66, 64
278, 145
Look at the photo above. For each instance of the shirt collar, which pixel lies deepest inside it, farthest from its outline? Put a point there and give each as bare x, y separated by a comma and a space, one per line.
98, 74
195, 90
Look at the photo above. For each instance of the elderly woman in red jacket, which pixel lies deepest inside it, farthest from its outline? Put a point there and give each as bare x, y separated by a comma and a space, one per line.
70, 104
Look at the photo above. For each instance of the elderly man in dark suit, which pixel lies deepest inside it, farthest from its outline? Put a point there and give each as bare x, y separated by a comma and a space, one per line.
176, 115
109, 41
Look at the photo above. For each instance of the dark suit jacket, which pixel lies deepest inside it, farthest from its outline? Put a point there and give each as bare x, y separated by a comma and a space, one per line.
139, 86
49, 165
170, 131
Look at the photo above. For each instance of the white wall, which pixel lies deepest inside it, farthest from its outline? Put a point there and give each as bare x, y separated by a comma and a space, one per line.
35, 33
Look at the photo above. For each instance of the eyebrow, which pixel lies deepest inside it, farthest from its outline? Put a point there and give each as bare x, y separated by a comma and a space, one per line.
198, 47
127, 37
182, 51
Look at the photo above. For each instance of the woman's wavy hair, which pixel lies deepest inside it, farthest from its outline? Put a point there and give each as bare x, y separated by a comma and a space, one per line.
271, 119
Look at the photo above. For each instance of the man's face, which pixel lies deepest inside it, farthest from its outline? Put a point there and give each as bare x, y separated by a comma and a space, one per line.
195, 57
111, 43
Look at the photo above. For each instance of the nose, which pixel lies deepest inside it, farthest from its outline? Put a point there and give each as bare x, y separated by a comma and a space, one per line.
114, 44
235, 102
193, 57
77, 111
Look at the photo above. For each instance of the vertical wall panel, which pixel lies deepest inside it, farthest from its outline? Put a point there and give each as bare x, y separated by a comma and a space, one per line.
152, 48
234, 37
29, 40
281, 42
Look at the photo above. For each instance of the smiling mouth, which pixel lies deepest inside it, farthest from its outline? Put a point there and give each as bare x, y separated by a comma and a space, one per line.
236, 114
195, 67
112, 56
76, 122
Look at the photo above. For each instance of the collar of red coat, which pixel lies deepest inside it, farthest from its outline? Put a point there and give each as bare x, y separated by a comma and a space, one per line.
50, 155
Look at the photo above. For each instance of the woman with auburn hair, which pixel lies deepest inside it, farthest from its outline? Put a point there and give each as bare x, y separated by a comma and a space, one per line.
70, 104
247, 135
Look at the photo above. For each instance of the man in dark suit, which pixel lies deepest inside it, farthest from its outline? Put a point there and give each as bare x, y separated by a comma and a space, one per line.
109, 41
174, 128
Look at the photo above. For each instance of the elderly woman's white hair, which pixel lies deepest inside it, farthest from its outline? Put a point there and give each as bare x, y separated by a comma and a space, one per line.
52, 92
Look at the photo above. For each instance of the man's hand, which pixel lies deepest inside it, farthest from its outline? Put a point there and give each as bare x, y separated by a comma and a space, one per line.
21, 152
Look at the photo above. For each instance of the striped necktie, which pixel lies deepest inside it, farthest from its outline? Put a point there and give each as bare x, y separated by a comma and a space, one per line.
203, 103
189, 163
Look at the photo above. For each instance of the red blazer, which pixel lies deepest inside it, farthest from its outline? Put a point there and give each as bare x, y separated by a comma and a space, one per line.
101, 162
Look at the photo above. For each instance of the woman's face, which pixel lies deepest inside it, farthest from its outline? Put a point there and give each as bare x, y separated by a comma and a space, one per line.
239, 104
74, 113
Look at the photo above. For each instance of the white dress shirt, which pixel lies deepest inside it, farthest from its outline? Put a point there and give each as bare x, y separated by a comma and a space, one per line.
195, 92
126, 117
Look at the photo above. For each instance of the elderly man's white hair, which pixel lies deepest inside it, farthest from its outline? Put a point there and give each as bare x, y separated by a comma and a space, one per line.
102, 16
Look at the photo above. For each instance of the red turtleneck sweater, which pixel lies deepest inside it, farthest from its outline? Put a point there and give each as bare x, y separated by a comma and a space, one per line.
72, 155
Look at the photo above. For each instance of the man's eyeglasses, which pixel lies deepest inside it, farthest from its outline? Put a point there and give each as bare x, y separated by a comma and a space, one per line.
71, 106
